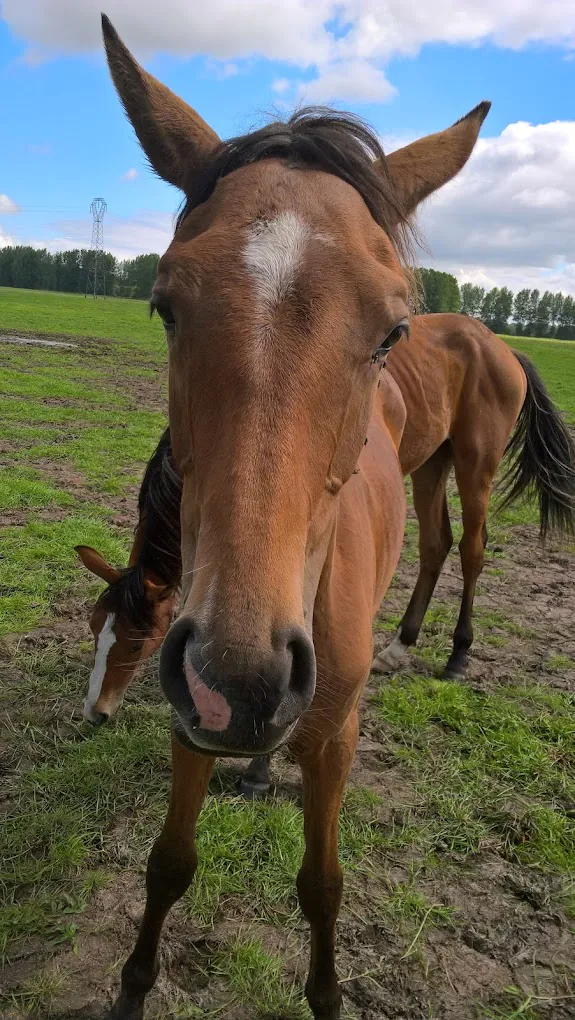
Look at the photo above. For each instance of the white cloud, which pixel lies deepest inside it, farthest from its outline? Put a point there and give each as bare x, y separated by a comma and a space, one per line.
5, 240
510, 215
222, 70
333, 38
7, 205
124, 237
130, 174
281, 85
287, 30
357, 80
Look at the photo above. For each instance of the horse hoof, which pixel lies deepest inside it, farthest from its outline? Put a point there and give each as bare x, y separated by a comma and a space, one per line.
391, 658
253, 791
122, 1010
455, 671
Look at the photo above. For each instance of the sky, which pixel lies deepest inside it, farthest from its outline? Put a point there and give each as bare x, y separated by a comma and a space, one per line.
408, 67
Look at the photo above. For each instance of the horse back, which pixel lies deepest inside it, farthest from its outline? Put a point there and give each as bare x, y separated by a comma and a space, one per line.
454, 374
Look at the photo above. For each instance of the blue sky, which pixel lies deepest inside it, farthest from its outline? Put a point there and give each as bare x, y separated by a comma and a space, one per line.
65, 138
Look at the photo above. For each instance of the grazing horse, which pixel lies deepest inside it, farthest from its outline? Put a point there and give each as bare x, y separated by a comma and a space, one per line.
281, 294
131, 617
465, 393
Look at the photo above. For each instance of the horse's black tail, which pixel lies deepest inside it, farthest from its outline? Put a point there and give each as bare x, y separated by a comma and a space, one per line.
541, 458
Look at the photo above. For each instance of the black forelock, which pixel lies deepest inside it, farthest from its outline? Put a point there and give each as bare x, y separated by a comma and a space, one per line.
316, 138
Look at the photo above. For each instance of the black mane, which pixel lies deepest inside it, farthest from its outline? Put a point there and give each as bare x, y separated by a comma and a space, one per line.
316, 138
159, 531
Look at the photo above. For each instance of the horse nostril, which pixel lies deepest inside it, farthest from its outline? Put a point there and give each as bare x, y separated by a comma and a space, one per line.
302, 674
99, 717
172, 678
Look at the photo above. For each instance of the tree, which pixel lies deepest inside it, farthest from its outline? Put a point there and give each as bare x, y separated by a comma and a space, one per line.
26, 265
521, 311
441, 291
6, 262
136, 276
532, 307
501, 311
566, 327
556, 308
543, 320
472, 299
488, 307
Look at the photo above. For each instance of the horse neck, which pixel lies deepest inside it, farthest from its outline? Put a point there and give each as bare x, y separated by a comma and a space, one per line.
137, 544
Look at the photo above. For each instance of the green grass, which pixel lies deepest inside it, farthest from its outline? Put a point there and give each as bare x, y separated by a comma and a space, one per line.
15, 412
52, 384
414, 915
256, 849
515, 1005
257, 980
21, 488
109, 457
70, 409
36, 994
559, 663
492, 769
39, 565
555, 362
120, 319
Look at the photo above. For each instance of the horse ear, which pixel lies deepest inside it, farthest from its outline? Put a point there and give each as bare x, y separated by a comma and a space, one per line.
173, 136
97, 565
155, 591
419, 169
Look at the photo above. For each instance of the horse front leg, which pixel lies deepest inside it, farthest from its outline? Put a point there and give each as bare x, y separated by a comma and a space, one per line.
171, 866
320, 879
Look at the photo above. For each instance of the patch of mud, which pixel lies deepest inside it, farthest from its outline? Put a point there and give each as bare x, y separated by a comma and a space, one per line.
35, 341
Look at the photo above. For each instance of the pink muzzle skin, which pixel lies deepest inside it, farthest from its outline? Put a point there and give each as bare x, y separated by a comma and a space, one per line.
212, 707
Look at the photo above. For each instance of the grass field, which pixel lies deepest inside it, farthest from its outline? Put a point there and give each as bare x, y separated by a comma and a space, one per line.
458, 834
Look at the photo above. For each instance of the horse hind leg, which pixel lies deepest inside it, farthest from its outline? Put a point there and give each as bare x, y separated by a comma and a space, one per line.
474, 480
256, 780
435, 541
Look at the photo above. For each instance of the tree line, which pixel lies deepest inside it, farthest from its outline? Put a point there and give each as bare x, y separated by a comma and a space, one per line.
527, 313
38, 269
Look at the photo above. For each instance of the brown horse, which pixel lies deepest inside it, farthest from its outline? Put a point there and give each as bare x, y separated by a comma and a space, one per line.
466, 393
131, 617
281, 293
463, 390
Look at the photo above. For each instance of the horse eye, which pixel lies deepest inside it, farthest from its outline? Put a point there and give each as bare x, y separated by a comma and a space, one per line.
162, 307
401, 330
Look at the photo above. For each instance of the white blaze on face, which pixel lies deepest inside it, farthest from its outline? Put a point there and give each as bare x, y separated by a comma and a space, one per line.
273, 255
106, 639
